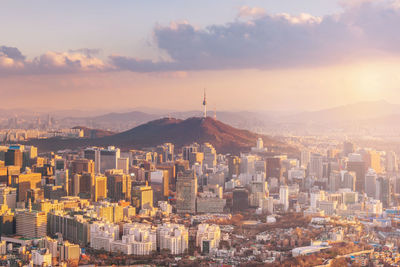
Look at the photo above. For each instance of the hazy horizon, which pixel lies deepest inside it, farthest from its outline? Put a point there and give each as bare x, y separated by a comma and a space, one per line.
160, 111
249, 55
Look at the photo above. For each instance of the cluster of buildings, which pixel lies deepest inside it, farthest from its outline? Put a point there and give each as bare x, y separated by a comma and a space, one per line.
182, 201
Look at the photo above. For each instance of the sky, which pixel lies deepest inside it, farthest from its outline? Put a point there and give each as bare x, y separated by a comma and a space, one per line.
249, 55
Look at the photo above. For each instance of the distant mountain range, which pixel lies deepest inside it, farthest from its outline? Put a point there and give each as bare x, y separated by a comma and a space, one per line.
225, 138
352, 112
374, 117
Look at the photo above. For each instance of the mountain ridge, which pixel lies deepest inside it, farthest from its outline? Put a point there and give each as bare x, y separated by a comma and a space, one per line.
225, 138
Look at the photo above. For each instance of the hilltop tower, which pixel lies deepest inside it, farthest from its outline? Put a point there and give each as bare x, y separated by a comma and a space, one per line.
205, 104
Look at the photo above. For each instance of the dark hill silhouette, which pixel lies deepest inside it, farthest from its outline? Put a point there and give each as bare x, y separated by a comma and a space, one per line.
225, 138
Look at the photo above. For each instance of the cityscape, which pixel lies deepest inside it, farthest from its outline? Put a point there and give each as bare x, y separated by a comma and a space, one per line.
221, 133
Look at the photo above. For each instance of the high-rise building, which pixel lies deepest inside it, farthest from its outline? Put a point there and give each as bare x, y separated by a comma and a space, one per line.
79, 166
259, 191
110, 212
35, 194
8, 196
316, 166
142, 197
62, 179
188, 150
53, 191
13, 156
31, 223
274, 167
24, 182
93, 153
59, 164
99, 191
348, 148
208, 237
109, 158
348, 180
240, 199
137, 239
284, 196
210, 155
373, 160
118, 185
384, 191
305, 158
83, 184
69, 252
370, 183
335, 181
316, 195
166, 152
391, 162
123, 164
233, 166
173, 237
73, 228
359, 168
186, 192
247, 164
267, 205
193, 154
7, 223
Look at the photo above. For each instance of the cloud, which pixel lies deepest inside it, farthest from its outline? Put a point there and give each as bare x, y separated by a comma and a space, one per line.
246, 11
11, 52
86, 51
254, 40
268, 41
13, 62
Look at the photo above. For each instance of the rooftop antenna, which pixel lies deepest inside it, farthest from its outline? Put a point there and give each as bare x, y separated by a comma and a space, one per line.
205, 104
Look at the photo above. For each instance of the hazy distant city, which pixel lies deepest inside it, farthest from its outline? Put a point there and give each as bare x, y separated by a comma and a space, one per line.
200, 133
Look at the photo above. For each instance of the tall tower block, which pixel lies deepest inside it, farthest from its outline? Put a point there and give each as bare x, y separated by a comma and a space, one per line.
205, 104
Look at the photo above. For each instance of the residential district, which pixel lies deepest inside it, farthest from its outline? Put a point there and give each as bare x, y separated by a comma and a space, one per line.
194, 207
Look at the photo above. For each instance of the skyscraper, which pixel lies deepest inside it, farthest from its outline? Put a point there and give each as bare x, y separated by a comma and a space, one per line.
186, 192
109, 158
82, 165
99, 191
93, 153
391, 162
348, 148
370, 183
284, 196
24, 182
118, 185
210, 155
384, 191
31, 223
305, 158
13, 156
359, 168
335, 179
349, 180
316, 165
240, 199
274, 168
142, 197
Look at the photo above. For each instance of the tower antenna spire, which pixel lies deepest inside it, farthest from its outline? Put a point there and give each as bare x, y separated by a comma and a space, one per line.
205, 104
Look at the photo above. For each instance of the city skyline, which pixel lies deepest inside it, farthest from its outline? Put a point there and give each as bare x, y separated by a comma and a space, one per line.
248, 54
199, 133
